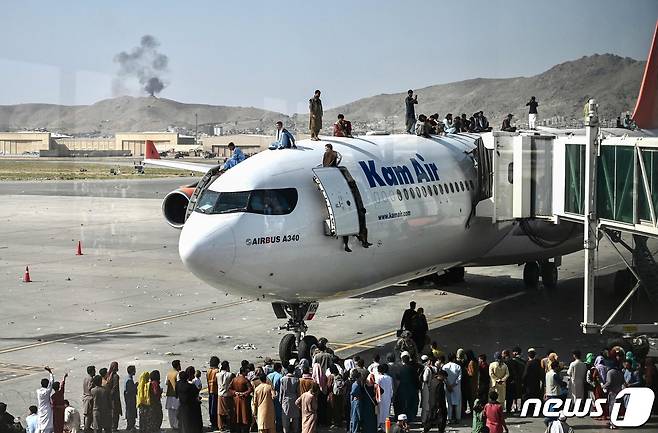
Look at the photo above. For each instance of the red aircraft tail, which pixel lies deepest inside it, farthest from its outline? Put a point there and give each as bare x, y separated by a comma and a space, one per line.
645, 114
151, 151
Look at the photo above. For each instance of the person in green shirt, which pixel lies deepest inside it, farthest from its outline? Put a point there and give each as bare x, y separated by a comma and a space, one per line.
479, 422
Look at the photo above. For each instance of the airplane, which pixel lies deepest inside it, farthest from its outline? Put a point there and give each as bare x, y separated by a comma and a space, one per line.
272, 228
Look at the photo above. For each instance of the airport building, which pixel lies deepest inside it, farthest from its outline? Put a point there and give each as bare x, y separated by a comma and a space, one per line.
123, 144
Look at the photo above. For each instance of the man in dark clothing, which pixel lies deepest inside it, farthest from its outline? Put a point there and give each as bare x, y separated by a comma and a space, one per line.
440, 401
8, 422
507, 124
483, 122
516, 367
419, 329
410, 117
130, 398
330, 158
533, 377
483, 378
466, 124
532, 112
407, 316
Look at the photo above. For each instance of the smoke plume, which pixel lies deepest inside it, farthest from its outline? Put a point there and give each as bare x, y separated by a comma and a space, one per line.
145, 63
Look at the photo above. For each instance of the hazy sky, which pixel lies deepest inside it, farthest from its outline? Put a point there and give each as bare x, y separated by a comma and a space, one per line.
273, 54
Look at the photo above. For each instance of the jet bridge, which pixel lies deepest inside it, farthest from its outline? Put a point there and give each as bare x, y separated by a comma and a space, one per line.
609, 184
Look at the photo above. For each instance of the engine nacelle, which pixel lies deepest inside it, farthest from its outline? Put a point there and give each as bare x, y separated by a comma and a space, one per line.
174, 206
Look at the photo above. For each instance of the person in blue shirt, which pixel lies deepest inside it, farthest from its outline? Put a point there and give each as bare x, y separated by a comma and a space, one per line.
274, 378
283, 138
32, 421
237, 156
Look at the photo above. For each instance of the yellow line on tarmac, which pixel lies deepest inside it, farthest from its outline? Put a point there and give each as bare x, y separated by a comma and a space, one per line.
364, 343
125, 326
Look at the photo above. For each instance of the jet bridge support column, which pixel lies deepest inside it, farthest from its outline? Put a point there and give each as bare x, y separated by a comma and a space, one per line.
591, 220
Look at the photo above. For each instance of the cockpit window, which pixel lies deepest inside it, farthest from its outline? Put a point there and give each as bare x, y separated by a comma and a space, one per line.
260, 201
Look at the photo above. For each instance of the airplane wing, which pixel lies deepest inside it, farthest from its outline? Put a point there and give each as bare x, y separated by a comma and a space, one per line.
153, 158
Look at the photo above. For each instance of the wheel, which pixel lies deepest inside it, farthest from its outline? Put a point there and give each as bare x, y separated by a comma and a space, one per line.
549, 275
624, 281
456, 275
531, 275
306, 346
287, 348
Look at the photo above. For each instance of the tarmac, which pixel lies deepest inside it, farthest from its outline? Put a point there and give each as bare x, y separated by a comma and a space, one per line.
129, 299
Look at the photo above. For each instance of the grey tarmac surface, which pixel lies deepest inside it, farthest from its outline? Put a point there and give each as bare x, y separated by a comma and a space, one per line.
129, 299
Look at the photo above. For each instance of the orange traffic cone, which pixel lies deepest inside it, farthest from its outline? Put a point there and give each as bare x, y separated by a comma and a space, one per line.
388, 424
79, 252
26, 276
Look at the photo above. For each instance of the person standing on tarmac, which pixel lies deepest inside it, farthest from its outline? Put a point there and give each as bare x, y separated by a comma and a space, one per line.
407, 316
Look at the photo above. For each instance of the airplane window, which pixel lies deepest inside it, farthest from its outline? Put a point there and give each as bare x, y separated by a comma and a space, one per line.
411, 191
262, 201
441, 188
472, 186
436, 190
467, 187
406, 194
445, 186
452, 188
418, 192
273, 201
400, 195
429, 189
461, 184
424, 191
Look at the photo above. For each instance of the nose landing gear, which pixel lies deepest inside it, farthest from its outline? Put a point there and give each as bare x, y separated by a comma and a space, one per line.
297, 344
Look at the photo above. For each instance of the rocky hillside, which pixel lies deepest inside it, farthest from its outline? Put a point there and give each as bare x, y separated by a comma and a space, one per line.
561, 91
127, 113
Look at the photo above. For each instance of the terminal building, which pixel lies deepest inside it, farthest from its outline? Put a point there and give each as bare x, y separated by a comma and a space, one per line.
130, 144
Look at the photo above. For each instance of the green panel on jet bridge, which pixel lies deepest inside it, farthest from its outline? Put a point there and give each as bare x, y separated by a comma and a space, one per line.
615, 189
574, 184
650, 157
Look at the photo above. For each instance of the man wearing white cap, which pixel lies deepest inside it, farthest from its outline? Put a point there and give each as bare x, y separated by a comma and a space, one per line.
401, 426
426, 394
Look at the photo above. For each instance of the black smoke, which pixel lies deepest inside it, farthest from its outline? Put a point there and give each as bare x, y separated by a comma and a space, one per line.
145, 63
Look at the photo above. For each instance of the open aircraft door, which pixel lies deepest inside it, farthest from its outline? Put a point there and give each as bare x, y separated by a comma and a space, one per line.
341, 198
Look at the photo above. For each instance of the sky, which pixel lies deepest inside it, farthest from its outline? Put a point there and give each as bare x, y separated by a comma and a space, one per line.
273, 54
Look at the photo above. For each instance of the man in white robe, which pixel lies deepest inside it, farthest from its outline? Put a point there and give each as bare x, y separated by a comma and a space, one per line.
454, 388
384, 395
44, 408
577, 373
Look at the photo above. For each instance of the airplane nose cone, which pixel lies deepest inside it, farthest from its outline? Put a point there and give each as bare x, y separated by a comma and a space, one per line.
207, 246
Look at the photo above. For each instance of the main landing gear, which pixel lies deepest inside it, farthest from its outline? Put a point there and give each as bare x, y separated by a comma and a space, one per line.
297, 344
532, 271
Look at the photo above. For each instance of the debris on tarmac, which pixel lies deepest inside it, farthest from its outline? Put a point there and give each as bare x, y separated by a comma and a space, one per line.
246, 346
224, 337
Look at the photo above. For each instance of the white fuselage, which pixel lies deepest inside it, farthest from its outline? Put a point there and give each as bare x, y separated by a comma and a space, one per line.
289, 258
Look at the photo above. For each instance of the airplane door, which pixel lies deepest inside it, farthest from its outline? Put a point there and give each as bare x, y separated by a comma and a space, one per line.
339, 199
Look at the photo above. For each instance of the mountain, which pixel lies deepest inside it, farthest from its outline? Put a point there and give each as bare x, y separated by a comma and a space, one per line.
561, 91
126, 113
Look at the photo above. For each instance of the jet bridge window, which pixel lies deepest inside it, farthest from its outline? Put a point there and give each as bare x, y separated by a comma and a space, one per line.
260, 201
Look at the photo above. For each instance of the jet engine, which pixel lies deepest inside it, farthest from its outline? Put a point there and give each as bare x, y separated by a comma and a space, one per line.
174, 205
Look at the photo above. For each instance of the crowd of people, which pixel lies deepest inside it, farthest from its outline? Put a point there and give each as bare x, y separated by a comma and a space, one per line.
422, 125
426, 126
416, 382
